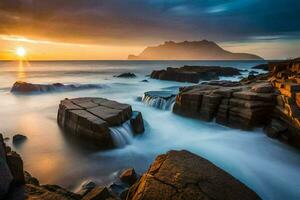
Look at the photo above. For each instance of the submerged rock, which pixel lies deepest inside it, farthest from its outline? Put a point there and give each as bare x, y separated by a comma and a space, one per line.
95, 118
24, 87
160, 99
194, 74
126, 75
137, 122
18, 138
184, 175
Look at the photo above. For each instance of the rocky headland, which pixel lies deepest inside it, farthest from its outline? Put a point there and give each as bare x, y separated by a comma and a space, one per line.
194, 74
191, 50
269, 100
92, 118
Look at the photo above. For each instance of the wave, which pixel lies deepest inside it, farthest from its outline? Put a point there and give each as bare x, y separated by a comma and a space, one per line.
163, 100
122, 135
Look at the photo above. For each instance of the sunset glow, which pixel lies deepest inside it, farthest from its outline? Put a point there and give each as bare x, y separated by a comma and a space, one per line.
21, 51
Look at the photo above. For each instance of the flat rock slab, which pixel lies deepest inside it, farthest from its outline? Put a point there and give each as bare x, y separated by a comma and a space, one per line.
184, 175
91, 118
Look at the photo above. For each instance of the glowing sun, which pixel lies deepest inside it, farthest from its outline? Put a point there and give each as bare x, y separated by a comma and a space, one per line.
20, 51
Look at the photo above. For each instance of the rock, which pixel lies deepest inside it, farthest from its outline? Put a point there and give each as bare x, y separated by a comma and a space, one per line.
15, 183
5, 173
18, 138
284, 76
231, 104
139, 98
30, 180
145, 81
265, 87
92, 118
183, 175
137, 122
194, 74
116, 189
124, 194
275, 129
49, 192
98, 193
20, 87
262, 67
15, 164
126, 75
129, 176
86, 187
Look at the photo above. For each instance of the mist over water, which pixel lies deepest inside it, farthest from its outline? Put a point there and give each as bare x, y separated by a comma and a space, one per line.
269, 167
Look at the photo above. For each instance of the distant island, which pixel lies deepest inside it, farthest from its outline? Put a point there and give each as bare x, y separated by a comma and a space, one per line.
191, 50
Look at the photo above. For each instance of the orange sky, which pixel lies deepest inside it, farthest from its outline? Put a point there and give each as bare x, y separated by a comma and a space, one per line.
52, 50
57, 50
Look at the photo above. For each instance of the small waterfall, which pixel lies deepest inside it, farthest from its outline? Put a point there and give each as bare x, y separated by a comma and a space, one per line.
159, 102
122, 135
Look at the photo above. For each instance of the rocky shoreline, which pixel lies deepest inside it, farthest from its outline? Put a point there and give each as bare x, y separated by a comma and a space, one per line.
174, 175
268, 100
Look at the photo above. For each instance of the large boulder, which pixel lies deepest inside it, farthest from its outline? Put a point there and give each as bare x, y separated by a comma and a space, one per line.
194, 74
92, 118
184, 175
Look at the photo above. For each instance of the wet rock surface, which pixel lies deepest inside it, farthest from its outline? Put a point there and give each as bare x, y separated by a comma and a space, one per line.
129, 176
126, 75
194, 74
18, 138
91, 118
183, 175
230, 103
285, 77
20, 87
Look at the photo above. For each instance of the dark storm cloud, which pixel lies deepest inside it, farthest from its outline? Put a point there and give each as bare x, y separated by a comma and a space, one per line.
140, 21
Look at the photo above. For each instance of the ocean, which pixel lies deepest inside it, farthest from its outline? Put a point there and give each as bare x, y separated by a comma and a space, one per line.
267, 166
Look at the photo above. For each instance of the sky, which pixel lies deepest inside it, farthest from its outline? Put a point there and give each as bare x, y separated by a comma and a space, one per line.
112, 29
